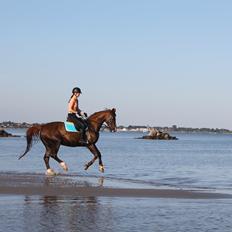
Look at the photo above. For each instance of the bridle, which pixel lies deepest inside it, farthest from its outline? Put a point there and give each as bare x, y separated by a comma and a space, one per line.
109, 121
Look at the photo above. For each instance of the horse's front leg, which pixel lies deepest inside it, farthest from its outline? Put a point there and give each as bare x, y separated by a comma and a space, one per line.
97, 154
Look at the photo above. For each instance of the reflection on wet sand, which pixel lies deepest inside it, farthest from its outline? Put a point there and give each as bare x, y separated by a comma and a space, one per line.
62, 180
55, 213
101, 181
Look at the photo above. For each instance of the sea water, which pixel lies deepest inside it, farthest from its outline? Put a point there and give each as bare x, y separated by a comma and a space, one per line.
194, 161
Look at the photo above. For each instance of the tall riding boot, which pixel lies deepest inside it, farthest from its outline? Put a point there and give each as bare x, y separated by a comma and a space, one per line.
83, 140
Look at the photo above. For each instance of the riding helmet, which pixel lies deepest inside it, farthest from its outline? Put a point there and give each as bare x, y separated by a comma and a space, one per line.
76, 90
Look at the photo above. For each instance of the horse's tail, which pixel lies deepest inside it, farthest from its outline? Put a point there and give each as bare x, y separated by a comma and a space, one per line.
32, 134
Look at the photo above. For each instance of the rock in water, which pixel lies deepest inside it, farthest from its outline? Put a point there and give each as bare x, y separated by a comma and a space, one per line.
3, 133
156, 134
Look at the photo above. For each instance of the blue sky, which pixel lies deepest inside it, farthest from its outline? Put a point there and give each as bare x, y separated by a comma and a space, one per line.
159, 63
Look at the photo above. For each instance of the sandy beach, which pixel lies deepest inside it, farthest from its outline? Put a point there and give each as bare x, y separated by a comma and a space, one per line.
39, 184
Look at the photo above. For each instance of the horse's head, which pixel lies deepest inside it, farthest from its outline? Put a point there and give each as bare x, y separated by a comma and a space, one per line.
106, 116
111, 120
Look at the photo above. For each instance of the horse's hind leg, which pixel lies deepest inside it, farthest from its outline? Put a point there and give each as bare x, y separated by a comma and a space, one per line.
52, 148
61, 162
97, 154
54, 151
53, 154
49, 171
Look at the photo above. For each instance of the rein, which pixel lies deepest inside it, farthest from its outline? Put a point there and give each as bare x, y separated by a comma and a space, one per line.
103, 124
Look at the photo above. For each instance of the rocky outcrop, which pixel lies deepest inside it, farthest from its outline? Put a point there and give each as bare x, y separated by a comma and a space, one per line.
3, 133
156, 134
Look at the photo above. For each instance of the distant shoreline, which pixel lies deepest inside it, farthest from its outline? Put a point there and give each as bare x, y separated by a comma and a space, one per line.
135, 128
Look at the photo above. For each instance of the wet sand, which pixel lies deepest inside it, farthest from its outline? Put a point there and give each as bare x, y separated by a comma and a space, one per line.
39, 184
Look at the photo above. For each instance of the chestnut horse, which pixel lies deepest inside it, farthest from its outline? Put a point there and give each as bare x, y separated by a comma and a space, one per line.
54, 134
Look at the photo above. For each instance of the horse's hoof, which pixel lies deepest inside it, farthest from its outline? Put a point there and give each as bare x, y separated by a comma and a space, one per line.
64, 166
86, 167
50, 172
101, 168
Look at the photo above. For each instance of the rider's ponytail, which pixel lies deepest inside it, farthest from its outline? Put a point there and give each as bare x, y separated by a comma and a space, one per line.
70, 98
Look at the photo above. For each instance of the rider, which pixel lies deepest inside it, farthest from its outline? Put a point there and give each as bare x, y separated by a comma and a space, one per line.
77, 116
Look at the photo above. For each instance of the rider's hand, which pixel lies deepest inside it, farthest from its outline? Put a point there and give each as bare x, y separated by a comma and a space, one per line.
84, 114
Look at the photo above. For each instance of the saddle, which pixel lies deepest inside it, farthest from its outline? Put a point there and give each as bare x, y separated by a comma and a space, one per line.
70, 127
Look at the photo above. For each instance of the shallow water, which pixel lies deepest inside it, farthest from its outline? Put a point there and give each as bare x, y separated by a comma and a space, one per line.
195, 161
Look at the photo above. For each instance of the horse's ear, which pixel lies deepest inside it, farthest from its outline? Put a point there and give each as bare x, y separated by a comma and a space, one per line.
114, 110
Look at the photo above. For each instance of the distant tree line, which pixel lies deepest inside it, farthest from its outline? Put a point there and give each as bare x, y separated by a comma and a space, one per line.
174, 128
9, 124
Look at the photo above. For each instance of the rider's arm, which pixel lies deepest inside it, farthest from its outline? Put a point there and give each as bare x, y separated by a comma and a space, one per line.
78, 110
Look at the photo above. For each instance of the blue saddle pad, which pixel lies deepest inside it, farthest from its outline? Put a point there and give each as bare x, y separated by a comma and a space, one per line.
69, 126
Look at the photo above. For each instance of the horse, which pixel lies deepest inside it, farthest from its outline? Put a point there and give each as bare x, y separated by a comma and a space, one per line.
54, 134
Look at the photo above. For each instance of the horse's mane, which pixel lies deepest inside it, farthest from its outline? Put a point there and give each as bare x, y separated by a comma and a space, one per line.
96, 113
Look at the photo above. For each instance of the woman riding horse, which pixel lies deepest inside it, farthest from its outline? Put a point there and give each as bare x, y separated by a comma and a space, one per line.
75, 115
54, 134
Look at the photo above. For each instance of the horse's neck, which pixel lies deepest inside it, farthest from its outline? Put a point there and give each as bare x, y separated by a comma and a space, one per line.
96, 121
